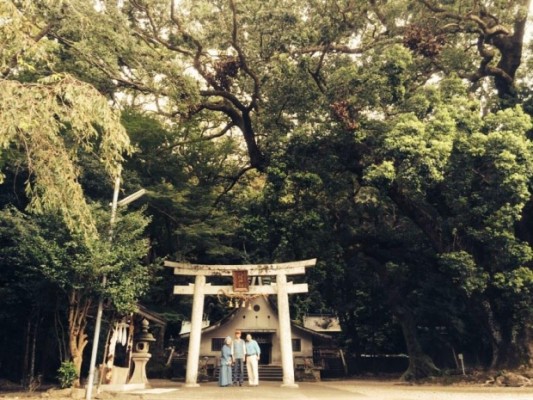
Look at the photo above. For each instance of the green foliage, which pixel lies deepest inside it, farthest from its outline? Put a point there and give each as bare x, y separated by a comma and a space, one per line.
52, 118
519, 280
464, 271
22, 252
67, 374
52, 121
381, 149
185, 175
44, 247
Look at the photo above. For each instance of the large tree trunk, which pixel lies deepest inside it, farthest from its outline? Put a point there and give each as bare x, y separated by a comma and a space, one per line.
509, 349
26, 358
496, 337
528, 342
77, 357
515, 351
510, 47
420, 364
77, 322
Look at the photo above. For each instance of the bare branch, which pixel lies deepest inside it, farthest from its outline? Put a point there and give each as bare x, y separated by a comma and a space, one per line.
344, 49
232, 183
243, 60
100, 65
156, 37
488, 30
199, 48
316, 73
222, 132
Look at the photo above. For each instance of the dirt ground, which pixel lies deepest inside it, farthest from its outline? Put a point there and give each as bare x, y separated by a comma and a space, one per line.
339, 390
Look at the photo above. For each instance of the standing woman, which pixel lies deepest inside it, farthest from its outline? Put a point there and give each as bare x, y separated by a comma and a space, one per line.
226, 360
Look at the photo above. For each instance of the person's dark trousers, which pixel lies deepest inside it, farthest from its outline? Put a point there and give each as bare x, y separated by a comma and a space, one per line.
238, 371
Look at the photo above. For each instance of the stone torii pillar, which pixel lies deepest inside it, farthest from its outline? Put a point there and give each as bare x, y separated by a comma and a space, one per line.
196, 326
281, 288
285, 333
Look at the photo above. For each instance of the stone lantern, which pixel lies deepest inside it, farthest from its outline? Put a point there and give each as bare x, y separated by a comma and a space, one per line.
140, 356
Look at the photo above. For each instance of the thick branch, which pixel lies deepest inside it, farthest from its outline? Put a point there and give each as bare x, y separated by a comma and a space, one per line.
492, 32
425, 218
243, 121
511, 47
227, 95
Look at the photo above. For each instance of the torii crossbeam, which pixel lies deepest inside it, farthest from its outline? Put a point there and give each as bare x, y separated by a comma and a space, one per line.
200, 288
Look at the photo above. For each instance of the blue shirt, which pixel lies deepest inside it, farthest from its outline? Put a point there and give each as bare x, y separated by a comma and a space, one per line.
239, 348
252, 348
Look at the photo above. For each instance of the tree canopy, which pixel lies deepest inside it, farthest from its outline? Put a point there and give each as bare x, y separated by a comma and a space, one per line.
390, 139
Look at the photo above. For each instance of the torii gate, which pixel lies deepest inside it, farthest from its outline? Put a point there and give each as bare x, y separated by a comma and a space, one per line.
200, 288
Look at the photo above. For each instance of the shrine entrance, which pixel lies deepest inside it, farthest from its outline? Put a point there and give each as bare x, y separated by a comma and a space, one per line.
243, 289
265, 342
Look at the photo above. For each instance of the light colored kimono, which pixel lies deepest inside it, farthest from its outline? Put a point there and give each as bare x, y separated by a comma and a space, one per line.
224, 378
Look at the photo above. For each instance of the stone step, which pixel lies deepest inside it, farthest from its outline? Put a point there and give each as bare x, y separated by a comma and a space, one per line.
266, 373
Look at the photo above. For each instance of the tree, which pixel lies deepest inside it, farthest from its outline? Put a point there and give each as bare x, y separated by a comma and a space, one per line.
404, 195
466, 197
414, 164
49, 256
239, 51
498, 29
51, 120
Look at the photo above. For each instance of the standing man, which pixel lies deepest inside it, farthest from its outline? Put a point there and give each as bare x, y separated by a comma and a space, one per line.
253, 352
239, 354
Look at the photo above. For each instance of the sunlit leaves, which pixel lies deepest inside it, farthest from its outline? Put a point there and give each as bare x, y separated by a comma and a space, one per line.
51, 121
520, 280
464, 271
22, 45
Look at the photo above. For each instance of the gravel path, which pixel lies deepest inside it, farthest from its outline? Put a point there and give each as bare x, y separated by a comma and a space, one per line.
337, 390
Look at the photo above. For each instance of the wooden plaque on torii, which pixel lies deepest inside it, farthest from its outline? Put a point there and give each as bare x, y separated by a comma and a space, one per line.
240, 281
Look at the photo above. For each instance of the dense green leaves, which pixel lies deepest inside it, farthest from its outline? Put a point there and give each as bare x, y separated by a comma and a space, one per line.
390, 139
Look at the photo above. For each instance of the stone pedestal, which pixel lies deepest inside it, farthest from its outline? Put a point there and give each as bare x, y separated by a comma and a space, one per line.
139, 368
119, 381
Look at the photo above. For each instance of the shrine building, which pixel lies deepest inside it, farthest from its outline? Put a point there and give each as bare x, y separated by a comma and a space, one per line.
282, 342
260, 319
